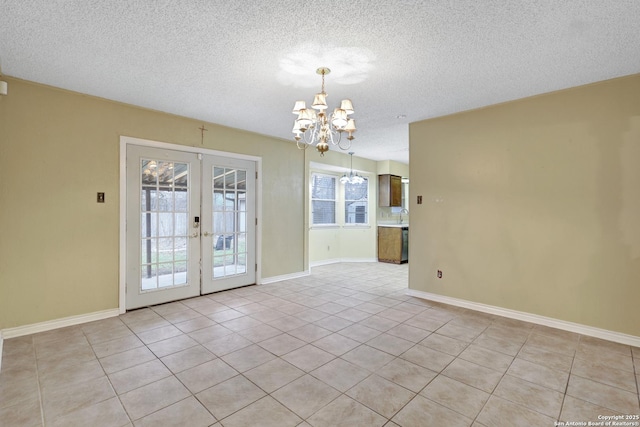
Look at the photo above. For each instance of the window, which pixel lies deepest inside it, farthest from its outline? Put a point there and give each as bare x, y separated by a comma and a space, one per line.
356, 202
323, 199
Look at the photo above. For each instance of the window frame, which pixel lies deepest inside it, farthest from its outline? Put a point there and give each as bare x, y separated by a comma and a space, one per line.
335, 200
366, 204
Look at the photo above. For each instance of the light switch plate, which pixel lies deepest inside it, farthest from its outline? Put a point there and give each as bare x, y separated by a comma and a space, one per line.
100, 197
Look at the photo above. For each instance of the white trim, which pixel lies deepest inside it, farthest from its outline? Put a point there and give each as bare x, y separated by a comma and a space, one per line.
324, 262
259, 220
1, 344
122, 251
124, 140
275, 279
532, 318
339, 260
58, 323
358, 259
128, 140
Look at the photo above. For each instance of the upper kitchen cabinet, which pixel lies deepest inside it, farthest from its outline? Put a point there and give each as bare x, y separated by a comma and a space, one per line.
389, 190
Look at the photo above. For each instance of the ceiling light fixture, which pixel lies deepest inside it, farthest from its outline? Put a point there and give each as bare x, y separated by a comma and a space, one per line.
352, 178
317, 128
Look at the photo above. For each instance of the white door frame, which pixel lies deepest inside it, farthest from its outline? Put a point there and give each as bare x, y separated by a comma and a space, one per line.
127, 140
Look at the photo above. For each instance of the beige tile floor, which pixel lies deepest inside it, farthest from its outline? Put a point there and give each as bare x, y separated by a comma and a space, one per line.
342, 347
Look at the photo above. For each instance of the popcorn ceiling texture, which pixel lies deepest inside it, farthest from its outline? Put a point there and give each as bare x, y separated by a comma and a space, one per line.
243, 64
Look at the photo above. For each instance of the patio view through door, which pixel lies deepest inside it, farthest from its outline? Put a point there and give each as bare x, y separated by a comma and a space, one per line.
190, 225
228, 223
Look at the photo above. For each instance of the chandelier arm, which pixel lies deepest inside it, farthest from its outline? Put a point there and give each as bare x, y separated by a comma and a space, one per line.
307, 136
302, 145
348, 144
335, 136
312, 133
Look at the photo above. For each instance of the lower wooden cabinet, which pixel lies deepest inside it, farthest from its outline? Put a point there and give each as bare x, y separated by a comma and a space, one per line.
393, 244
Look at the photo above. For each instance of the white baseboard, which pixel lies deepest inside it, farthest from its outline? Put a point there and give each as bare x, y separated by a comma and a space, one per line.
324, 262
58, 323
532, 318
1, 343
358, 259
339, 260
274, 279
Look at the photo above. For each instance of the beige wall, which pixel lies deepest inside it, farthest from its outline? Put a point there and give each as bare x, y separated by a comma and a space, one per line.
393, 168
58, 247
343, 242
534, 205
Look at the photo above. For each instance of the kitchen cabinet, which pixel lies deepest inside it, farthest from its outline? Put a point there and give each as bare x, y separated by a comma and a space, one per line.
393, 244
389, 190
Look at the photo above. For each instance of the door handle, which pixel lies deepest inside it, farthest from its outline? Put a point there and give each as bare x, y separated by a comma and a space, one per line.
207, 234
194, 235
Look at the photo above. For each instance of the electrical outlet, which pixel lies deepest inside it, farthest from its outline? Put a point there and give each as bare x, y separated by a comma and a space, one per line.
439, 274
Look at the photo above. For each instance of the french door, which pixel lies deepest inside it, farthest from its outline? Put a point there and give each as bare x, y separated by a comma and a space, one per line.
228, 223
190, 225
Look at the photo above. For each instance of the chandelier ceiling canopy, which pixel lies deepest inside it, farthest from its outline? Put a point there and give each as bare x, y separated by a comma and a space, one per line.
314, 126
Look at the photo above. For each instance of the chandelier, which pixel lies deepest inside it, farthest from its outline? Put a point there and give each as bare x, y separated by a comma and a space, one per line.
318, 128
351, 178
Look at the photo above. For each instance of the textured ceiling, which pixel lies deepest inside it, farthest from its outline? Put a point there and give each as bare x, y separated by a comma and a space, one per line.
243, 64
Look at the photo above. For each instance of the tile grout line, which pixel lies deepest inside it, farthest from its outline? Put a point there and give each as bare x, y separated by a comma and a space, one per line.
475, 419
636, 373
107, 375
566, 389
35, 359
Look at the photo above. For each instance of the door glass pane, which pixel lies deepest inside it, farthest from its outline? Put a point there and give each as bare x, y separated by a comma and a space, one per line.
164, 199
180, 249
149, 175
149, 251
218, 177
149, 279
148, 199
165, 174
180, 273
229, 222
180, 197
218, 199
180, 224
242, 180
149, 224
242, 201
164, 196
230, 179
165, 275
165, 224
180, 172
